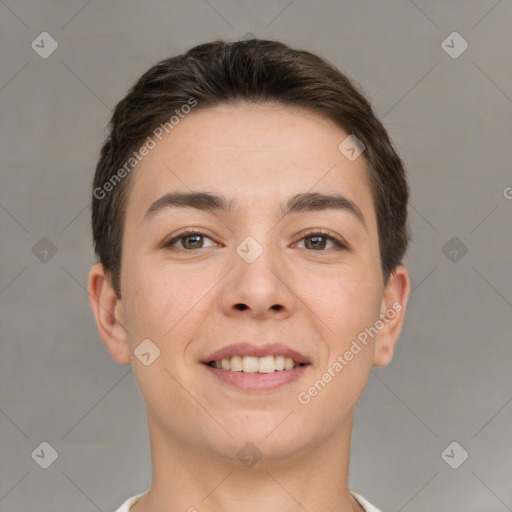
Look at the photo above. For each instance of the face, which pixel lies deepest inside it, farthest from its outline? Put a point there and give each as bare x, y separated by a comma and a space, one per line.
281, 267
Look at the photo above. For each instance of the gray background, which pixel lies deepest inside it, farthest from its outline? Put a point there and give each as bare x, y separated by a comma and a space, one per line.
451, 377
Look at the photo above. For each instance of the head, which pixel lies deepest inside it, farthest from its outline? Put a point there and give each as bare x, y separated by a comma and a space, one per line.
226, 209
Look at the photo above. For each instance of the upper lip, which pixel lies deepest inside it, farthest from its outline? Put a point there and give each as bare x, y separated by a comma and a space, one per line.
246, 349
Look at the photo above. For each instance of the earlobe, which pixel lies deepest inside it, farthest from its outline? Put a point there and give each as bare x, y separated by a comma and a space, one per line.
392, 315
108, 313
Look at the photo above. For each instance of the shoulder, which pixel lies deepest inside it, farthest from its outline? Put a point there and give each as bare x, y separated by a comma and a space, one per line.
367, 506
125, 507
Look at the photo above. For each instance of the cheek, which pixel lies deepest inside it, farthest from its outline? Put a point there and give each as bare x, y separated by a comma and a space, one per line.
345, 305
161, 301
148, 294
346, 301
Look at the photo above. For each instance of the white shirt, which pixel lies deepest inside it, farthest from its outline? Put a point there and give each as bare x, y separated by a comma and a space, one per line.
368, 507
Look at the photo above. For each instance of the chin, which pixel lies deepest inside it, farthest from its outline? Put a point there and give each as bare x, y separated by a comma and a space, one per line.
270, 440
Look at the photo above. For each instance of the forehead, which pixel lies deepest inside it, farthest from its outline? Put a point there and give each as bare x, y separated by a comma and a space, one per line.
254, 154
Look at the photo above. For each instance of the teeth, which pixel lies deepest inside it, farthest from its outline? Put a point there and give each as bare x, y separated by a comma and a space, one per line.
266, 364
237, 364
288, 363
251, 364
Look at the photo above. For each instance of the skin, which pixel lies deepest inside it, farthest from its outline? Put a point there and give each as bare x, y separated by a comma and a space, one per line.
185, 301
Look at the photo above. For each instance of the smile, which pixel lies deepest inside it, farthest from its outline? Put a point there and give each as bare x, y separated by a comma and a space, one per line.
251, 364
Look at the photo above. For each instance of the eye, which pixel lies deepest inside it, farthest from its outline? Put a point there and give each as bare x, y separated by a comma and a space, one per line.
318, 241
189, 240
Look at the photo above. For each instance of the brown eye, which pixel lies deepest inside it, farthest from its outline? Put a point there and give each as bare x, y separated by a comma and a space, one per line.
189, 241
319, 242
316, 242
192, 241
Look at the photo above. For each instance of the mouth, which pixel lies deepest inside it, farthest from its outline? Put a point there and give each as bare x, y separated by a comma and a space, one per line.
252, 364
256, 368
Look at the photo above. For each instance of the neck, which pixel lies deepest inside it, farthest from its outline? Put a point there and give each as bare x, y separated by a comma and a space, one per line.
314, 478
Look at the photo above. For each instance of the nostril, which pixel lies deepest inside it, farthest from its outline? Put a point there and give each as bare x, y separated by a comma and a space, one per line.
242, 307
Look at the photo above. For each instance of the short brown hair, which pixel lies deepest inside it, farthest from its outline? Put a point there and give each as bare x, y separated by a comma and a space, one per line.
255, 71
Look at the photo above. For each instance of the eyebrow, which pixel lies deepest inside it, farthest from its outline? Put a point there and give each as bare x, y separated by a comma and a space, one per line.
205, 201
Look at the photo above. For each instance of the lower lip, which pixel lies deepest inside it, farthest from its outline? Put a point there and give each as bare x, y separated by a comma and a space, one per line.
257, 381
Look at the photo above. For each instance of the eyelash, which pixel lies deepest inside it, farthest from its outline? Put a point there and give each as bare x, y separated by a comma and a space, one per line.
338, 244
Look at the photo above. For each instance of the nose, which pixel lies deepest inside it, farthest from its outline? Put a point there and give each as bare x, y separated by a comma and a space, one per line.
259, 289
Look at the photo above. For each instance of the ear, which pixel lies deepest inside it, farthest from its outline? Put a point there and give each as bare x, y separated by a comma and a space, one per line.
109, 315
392, 314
